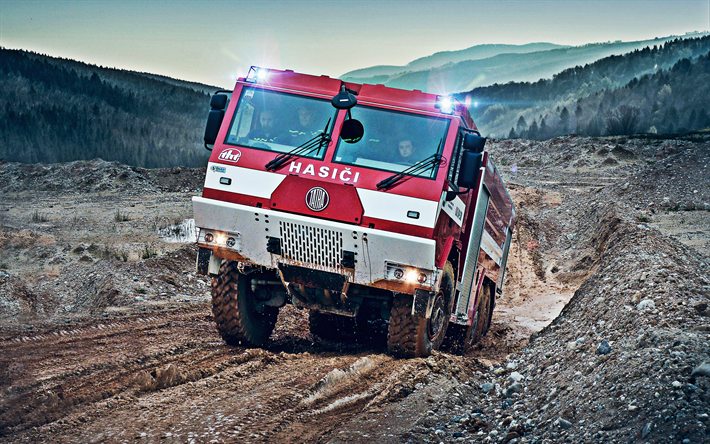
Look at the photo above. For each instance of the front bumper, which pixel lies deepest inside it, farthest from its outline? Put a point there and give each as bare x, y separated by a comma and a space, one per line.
381, 259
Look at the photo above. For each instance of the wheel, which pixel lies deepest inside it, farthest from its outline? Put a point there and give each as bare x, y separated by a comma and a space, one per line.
477, 329
234, 308
331, 327
416, 336
491, 304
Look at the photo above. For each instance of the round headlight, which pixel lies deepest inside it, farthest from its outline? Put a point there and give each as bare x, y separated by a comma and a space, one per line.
231, 242
422, 278
209, 237
398, 274
411, 276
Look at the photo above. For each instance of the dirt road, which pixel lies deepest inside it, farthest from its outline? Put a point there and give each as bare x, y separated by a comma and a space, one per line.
106, 332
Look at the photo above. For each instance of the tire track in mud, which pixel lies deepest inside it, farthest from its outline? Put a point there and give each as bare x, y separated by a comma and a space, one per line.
169, 377
45, 377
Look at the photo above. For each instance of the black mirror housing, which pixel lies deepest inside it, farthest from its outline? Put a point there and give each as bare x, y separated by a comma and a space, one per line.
218, 101
214, 121
470, 166
473, 143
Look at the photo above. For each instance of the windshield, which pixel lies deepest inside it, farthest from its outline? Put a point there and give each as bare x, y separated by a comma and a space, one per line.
394, 141
278, 122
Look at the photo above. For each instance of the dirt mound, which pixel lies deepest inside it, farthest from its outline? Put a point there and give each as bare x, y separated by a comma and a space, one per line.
95, 176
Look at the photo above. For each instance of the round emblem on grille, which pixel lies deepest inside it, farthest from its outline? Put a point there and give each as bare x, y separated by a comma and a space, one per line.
317, 199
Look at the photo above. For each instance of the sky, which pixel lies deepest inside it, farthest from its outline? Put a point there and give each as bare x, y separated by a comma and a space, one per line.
214, 42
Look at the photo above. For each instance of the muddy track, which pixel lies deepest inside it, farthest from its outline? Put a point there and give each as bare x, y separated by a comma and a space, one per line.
169, 377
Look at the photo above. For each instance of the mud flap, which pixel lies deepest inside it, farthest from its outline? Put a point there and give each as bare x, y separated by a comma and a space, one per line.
423, 303
203, 260
213, 268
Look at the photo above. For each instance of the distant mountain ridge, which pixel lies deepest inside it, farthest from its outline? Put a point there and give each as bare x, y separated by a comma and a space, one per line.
61, 110
445, 57
505, 67
660, 88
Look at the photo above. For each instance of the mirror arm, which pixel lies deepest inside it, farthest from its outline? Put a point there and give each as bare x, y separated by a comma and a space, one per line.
207, 148
451, 195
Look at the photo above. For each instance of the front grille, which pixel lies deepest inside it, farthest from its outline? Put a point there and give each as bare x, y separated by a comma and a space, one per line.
311, 245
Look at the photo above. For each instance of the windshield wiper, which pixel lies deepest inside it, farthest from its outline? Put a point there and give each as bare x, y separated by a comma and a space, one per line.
420, 167
306, 148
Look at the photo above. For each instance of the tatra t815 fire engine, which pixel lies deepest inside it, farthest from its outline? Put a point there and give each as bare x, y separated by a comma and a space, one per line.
355, 202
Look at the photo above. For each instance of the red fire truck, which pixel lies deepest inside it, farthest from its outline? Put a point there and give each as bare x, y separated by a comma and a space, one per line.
355, 202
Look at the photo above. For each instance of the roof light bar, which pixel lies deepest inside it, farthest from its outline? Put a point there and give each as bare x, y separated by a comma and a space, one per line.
446, 104
257, 74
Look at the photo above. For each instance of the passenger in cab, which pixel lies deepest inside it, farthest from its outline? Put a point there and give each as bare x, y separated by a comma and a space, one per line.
306, 128
267, 131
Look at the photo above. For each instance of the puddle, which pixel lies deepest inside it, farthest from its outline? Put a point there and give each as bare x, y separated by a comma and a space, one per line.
180, 233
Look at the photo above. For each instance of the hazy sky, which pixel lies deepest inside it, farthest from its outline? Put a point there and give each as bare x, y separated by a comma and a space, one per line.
214, 41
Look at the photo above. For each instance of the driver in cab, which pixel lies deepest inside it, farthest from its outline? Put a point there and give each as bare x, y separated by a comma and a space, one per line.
267, 128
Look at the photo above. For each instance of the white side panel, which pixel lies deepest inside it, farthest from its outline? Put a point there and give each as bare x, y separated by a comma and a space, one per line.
488, 244
244, 180
393, 207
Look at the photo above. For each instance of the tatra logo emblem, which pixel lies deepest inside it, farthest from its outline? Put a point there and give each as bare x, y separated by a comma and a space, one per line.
230, 155
317, 199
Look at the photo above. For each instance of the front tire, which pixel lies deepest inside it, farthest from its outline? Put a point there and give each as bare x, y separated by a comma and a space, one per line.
416, 336
234, 309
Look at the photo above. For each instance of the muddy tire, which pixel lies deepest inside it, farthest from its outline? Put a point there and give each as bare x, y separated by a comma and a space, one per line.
478, 327
416, 336
331, 327
491, 304
234, 309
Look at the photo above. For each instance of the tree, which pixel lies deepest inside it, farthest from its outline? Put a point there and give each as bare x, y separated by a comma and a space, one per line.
622, 120
564, 118
703, 119
522, 125
511, 134
533, 131
691, 119
578, 113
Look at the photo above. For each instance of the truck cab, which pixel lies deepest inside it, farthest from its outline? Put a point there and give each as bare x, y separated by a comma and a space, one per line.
354, 202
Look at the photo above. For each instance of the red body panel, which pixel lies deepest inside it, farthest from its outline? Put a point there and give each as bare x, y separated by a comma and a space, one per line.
343, 203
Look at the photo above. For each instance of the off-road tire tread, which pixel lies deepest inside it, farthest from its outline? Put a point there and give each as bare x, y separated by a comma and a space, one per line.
236, 321
402, 331
407, 335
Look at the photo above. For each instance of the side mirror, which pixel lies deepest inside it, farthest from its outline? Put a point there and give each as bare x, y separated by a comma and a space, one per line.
352, 131
470, 166
214, 118
473, 143
344, 99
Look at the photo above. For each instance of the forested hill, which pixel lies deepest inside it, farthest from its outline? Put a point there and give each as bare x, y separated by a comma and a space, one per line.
665, 87
58, 110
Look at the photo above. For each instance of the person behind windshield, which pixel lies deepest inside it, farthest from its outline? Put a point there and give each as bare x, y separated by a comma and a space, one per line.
267, 131
306, 128
405, 152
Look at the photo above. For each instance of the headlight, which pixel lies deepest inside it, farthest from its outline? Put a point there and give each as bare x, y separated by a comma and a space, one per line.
403, 273
411, 276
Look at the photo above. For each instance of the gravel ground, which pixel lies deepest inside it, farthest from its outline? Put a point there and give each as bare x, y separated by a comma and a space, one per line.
601, 334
